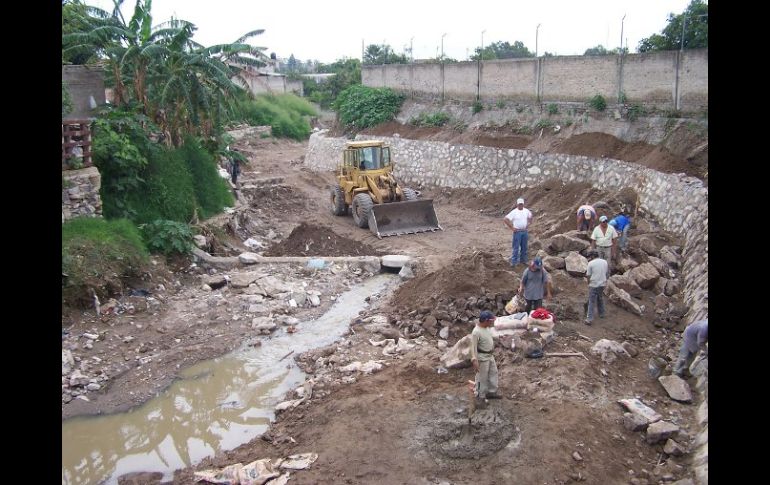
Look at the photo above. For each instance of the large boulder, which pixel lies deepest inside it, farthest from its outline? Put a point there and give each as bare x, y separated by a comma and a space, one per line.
459, 356
676, 387
622, 299
670, 257
647, 245
672, 288
645, 275
552, 263
562, 242
576, 264
625, 264
626, 283
661, 267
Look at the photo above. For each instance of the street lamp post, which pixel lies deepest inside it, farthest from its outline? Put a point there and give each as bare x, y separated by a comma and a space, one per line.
411, 49
621, 33
478, 67
536, 32
442, 47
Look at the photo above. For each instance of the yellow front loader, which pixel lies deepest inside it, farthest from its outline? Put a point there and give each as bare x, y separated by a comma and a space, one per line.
366, 186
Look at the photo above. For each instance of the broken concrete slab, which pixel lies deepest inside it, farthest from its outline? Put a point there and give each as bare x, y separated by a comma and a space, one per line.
677, 388
248, 258
576, 264
395, 260
660, 431
459, 356
636, 406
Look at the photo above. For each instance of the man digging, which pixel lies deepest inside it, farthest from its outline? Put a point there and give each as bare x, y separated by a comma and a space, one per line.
483, 359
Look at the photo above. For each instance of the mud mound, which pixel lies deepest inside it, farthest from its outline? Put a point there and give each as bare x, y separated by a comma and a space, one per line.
275, 199
312, 240
467, 276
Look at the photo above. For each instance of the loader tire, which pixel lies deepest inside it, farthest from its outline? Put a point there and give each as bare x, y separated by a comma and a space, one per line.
338, 201
410, 194
361, 207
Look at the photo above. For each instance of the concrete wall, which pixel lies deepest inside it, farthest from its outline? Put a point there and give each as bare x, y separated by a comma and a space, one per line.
273, 85
655, 79
678, 202
82, 82
80, 193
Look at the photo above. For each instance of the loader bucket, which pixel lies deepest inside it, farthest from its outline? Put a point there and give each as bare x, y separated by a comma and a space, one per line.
399, 218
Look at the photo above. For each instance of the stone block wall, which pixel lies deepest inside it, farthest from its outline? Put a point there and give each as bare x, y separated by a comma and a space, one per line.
678, 202
80, 193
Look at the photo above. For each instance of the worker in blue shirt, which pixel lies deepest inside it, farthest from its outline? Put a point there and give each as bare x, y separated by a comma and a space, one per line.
622, 224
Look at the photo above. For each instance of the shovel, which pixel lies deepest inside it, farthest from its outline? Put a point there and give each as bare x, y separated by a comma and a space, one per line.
472, 402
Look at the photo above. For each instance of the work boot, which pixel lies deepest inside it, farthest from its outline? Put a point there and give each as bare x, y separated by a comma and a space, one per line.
494, 395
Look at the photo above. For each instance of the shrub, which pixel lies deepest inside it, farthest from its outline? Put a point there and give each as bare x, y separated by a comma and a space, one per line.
542, 124
363, 107
553, 109
285, 114
66, 101
97, 255
435, 119
211, 190
168, 192
500, 104
477, 107
168, 237
598, 103
635, 111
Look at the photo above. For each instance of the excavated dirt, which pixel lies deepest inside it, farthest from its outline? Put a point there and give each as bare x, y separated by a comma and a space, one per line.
466, 276
314, 240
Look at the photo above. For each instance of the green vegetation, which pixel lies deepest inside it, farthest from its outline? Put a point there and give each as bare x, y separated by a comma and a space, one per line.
696, 30
500, 104
553, 109
284, 113
362, 107
543, 124
211, 191
97, 255
66, 101
435, 119
598, 103
347, 73
477, 107
382, 54
635, 111
168, 237
502, 50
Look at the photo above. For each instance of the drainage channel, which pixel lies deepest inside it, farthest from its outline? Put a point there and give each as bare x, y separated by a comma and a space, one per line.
218, 404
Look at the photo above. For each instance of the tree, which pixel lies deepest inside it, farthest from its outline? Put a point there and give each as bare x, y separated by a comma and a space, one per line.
599, 50
503, 50
347, 73
382, 54
291, 64
696, 34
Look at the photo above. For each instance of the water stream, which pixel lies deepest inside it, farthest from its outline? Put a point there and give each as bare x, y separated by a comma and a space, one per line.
218, 404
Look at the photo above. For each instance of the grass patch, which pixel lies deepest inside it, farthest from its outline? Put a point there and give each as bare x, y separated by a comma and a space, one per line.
211, 190
97, 255
435, 119
363, 107
285, 114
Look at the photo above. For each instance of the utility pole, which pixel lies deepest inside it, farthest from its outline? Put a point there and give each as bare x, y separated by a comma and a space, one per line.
362, 52
442, 47
536, 32
478, 67
411, 49
621, 33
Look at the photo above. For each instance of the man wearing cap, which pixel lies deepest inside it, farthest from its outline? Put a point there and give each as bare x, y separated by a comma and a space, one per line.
603, 239
483, 357
535, 282
597, 272
517, 221
586, 218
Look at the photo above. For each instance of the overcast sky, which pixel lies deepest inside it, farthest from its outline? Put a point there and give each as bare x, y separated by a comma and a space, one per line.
327, 30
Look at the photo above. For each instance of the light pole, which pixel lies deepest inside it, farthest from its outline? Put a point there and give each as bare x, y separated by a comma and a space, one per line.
621, 33
478, 68
481, 54
442, 47
536, 32
411, 49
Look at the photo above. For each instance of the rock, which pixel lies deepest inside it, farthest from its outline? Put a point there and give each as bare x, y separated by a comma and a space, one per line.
243, 280
215, 281
67, 362
634, 422
314, 300
684, 481
660, 266
662, 303
91, 336
562, 242
441, 344
141, 478
406, 273
200, 241
367, 367
660, 431
673, 448
444, 333
655, 367
93, 386
670, 257
394, 260
576, 456
626, 264
459, 356
608, 350
621, 298
672, 288
576, 264
645, 275
627, 284
630, 349
78, 379
635, 406
677, 388
648, 246
65, 398
639, 481
552, 263
263, 323
205, 287
248, 258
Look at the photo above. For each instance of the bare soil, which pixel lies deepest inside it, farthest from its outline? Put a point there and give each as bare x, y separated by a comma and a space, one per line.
408, 422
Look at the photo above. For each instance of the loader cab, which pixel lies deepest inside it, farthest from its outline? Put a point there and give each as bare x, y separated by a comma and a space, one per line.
367, 155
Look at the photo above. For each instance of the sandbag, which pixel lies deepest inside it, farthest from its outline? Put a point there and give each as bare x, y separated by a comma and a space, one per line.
509, 321
543, 325
517, 304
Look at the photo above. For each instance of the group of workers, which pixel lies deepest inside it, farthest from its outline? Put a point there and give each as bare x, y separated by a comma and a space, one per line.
606, 235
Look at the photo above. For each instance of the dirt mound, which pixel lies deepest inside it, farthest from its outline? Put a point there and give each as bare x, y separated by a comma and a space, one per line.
467, 276
275, 199
312, 240
485, 136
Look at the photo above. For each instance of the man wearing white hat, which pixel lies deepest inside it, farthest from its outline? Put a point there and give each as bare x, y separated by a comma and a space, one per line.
517, 221
603, 239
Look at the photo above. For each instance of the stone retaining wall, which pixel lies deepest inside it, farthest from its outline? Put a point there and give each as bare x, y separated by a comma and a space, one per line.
678, 202
80, 193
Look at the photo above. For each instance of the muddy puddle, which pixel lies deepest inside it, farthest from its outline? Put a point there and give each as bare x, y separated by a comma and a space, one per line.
218, 404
